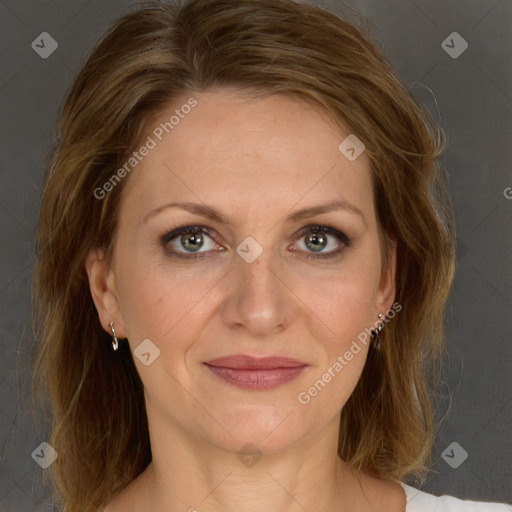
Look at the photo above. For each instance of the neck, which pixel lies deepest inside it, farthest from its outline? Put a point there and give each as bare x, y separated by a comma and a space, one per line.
191, 475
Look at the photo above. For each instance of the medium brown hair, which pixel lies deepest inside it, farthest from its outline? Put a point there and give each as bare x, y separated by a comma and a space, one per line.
150, 57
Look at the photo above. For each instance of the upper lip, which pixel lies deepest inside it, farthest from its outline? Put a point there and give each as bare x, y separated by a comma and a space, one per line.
245, 362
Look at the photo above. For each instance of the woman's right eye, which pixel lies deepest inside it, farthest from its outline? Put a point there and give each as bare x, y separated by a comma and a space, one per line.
188, 238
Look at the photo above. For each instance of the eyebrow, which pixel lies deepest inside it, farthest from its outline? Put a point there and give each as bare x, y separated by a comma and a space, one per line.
212, 213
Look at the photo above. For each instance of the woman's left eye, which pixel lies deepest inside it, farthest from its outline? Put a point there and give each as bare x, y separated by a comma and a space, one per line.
317, 238
192, 238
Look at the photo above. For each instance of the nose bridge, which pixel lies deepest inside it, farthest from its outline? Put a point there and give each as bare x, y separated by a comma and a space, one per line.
257, 280
257, 275
257, 297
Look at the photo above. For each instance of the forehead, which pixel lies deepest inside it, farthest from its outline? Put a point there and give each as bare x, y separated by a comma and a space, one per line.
233, 149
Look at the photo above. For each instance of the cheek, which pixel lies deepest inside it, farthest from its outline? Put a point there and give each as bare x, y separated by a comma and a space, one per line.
162, 302
342, 300
345, 307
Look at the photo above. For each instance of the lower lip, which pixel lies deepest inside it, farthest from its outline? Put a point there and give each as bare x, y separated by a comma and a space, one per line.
257, 379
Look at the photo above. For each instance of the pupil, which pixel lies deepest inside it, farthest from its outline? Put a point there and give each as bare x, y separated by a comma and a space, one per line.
318, 241
191, 238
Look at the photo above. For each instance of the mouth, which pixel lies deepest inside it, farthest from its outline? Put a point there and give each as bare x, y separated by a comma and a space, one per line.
248, 372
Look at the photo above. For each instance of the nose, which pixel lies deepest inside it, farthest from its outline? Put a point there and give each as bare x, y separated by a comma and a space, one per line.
258, 300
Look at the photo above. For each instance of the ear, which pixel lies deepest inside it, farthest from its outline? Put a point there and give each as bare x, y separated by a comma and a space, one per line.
104, 294
387, 287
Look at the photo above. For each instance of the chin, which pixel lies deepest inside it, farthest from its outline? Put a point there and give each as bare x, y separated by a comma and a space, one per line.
268, 428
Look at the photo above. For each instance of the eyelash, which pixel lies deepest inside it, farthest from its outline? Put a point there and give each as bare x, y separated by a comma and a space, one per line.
180, 229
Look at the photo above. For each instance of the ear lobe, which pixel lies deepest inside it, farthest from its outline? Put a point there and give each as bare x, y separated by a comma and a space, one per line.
387, 286
103, 291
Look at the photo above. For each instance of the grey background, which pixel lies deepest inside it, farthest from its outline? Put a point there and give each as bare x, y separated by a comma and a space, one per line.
472, 98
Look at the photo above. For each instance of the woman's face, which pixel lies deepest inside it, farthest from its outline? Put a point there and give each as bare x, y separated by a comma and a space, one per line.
260, 285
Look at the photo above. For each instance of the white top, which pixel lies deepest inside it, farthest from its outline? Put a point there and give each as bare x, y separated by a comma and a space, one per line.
419, 501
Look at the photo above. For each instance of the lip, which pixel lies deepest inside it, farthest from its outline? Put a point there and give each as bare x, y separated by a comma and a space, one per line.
244, 362
248, 372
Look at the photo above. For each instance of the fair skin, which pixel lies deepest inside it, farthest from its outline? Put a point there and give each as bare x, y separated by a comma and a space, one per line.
256, 161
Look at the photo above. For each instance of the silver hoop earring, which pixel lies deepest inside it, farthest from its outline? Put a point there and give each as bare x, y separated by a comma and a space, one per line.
115, 341
375, 333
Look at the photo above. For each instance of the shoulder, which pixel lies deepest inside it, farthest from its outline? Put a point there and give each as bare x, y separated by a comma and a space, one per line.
420, 501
